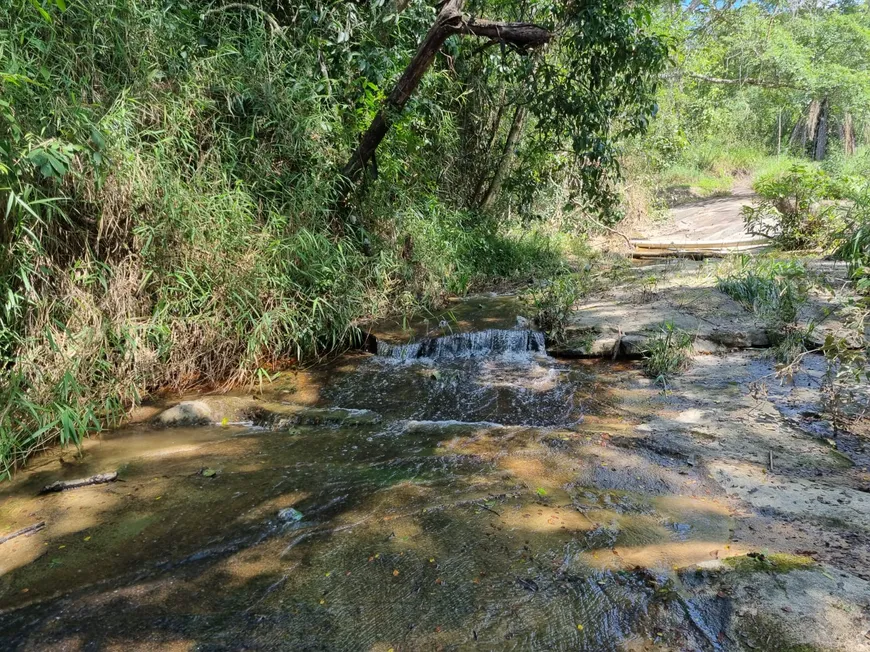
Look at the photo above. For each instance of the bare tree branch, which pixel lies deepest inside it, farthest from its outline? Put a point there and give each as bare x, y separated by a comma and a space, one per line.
743, 81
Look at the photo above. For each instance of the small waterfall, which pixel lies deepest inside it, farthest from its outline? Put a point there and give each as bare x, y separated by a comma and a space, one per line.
467, 345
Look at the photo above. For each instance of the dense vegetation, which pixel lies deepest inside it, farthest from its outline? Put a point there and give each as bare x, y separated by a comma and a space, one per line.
173, 208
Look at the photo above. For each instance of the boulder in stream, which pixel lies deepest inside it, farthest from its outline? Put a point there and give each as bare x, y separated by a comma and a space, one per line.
186, 413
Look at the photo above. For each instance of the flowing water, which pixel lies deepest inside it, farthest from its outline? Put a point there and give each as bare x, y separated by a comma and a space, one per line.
492, 500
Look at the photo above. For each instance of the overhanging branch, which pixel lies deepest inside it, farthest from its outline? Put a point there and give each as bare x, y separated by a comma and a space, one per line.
450, 20
521, 35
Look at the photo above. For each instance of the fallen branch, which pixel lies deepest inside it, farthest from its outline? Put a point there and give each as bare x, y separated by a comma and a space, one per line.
30, 529
62, 485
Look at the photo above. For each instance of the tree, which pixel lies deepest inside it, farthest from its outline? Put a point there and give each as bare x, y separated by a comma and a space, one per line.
808, 63
589, 86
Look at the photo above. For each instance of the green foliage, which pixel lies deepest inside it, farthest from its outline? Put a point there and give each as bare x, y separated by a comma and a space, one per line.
457, 251
774, 289
796, 208
597, 88
667, 353
550, 304
854, 237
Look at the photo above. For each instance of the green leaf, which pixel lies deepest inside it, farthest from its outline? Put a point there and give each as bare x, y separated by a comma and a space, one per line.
42, 12
58, 166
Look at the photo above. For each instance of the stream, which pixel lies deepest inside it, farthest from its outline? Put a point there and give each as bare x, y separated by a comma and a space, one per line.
473, 493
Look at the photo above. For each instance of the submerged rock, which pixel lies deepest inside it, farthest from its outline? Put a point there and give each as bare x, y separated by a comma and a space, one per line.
290, 515
282, 417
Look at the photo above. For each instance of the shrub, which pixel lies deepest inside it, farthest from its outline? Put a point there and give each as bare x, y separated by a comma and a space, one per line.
773, 289
552, 302
796, 208
667, 353
854, 238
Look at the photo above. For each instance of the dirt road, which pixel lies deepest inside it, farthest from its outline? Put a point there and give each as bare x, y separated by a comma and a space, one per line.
715, 223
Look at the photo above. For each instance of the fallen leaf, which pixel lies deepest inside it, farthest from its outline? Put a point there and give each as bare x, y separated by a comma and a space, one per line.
86, 539
225, 422
579, 628
395, 573
208, 473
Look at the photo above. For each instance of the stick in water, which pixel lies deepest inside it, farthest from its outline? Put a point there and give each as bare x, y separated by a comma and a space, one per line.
30, 529
60, 485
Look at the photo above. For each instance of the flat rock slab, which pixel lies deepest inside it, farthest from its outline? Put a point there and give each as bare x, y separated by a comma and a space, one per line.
621, 321
707, 223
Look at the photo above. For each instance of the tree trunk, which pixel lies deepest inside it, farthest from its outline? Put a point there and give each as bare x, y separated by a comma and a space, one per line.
450, 20
848, 135
445, 25
821, 140
484, 167
506, 158
799, 134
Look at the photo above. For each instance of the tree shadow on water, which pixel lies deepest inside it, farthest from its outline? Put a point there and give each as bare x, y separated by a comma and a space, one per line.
429, 538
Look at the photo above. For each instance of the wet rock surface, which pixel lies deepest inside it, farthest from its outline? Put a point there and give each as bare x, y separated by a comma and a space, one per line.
186, 413
505, 500
620, 320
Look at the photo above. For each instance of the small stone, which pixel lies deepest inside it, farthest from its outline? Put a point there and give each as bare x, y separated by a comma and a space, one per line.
290, 515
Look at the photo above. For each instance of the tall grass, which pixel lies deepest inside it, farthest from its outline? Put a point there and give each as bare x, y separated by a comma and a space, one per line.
775, 290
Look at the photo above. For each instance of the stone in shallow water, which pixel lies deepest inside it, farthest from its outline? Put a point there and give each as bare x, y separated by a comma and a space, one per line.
187, 413
336, 417
290, 515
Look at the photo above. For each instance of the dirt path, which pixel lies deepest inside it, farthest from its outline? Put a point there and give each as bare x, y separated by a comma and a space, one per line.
708, 223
